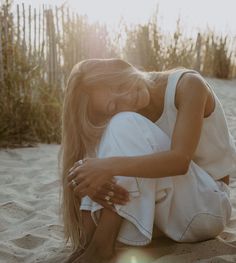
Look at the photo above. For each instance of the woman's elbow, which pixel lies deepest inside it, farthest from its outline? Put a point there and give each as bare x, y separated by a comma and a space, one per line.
182, 163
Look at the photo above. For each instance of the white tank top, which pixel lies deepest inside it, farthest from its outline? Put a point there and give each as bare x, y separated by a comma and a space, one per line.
216, 152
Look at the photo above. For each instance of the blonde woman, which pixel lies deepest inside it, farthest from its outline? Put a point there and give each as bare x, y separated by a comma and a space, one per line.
141, 149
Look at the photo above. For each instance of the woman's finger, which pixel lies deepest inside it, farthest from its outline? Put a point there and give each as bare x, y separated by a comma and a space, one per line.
103, 203
72, 175
74, 169
116, 198
76, 164
119, 200
116, 187
117, 190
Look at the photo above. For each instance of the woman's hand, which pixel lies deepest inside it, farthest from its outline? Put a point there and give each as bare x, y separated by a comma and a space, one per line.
87, 176
111, 194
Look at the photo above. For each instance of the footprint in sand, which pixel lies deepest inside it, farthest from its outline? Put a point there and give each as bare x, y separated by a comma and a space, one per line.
15, 210
29, 241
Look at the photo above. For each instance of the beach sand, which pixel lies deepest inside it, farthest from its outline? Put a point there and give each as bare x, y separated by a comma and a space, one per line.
30, 228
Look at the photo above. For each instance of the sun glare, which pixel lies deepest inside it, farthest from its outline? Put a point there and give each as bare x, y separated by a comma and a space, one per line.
217, 15
194, 14
111, 11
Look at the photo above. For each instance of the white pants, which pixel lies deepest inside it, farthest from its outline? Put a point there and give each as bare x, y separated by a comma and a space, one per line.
187, 208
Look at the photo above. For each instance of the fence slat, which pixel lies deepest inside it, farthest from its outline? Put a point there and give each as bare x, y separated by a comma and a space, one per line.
29, 32
35, 30
1, 55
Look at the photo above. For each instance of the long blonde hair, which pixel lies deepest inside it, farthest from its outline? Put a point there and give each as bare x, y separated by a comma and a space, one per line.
80, 137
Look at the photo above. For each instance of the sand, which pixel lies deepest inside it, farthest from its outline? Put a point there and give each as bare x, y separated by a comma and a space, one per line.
30, 228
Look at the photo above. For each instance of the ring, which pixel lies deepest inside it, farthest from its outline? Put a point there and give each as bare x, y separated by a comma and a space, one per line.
109, 203
74, 183
110, 193
80, 162
107, 198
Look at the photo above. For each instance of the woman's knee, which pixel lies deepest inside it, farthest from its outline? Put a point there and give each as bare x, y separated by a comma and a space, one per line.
203, 226
134, 134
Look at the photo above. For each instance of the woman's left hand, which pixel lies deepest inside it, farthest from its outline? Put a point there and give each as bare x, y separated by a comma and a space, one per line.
88, 175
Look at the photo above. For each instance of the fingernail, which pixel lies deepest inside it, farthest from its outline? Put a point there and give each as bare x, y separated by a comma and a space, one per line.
70, 174
71, 169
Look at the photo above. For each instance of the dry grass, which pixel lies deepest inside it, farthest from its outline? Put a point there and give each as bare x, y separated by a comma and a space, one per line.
39, 48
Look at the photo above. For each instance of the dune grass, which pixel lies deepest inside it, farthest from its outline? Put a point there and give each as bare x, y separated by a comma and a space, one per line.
39, 47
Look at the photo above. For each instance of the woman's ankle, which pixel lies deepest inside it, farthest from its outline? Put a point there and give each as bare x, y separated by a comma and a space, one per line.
104, 250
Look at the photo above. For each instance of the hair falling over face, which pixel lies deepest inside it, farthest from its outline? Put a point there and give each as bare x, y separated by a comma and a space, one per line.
80, 137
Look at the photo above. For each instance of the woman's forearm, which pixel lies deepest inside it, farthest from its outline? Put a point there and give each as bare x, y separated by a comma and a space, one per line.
157, 165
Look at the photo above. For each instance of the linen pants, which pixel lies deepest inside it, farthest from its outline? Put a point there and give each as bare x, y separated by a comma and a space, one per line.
187, 208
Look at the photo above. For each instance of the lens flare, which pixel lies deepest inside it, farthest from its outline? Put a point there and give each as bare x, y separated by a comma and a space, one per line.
134, 256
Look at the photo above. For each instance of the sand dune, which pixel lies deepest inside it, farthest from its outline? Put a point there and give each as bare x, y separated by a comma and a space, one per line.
30, 229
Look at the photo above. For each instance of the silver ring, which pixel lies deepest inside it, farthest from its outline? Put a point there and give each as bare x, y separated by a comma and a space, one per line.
74, 183
107, 198
80, 162
110, 193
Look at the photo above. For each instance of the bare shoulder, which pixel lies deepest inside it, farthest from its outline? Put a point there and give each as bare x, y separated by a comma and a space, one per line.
190, 85
192, 80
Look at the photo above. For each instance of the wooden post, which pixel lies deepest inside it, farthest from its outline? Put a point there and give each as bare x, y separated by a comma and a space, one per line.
58, 50
39, 32
51, 46
198, 53
24, 42
29, 33
1, 55
35, 31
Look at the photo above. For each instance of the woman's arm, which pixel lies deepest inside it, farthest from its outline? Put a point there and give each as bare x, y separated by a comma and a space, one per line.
191, 98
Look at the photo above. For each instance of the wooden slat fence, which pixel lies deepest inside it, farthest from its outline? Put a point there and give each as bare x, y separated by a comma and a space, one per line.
51, 40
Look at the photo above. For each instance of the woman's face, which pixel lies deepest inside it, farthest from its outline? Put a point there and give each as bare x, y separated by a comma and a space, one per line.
104, 102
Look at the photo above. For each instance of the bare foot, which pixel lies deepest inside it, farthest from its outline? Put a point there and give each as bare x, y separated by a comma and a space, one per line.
95, 254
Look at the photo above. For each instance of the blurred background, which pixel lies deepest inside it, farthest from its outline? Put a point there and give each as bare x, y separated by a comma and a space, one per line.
41, 40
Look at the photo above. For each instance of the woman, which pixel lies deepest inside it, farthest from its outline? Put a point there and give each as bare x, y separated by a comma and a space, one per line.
138, 149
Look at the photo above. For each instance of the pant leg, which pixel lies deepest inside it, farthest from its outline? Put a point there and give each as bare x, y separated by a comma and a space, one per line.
130, 134
196, 208
177, 204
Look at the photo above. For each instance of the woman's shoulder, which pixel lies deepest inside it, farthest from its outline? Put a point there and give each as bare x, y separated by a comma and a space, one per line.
191, 80
191, 84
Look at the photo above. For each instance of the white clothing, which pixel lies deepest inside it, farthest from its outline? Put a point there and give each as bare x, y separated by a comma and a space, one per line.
216, 152
187, 208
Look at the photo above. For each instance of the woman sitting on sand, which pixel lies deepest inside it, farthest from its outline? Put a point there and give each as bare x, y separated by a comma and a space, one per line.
141, 149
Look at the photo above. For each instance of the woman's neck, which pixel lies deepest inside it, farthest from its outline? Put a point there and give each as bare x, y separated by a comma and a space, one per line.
157, 97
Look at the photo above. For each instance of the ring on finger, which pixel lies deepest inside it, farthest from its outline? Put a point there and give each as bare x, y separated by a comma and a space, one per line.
80, 162
110, 193
107, 198
109, 203
74, 183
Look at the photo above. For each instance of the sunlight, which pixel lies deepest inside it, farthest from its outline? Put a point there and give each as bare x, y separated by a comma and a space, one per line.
134, 255
195, 15
133, 259
111, 11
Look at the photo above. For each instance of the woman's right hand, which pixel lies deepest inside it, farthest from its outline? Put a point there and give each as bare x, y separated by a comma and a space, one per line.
111, 194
